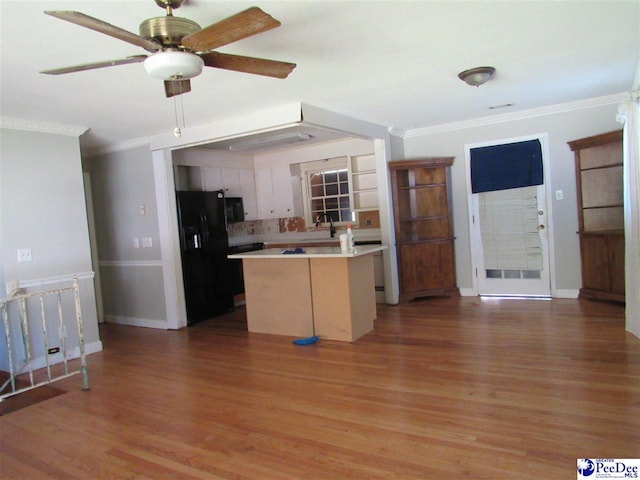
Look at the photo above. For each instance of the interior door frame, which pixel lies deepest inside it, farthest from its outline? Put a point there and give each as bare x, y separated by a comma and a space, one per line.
93, 242
474, 232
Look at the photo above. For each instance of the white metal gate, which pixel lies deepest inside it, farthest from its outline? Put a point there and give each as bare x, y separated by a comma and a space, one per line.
31, 318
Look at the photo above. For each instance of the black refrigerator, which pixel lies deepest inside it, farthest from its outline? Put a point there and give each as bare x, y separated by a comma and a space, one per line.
208, 289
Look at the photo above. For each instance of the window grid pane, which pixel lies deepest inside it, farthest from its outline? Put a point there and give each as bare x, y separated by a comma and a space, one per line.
330, 195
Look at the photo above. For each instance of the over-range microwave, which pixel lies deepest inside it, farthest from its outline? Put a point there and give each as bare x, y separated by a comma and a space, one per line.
234, 209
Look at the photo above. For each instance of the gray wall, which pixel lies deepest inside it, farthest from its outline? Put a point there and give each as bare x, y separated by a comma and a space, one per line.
122, 182
561, 128
42, 207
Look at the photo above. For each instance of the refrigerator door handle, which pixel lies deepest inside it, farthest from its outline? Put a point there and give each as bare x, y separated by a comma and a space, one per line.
204, 227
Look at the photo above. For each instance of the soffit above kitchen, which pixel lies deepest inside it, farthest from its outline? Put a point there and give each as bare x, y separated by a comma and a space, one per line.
278, 140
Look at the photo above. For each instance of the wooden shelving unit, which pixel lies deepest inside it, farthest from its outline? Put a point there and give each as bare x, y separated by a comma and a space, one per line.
600, 215
424, 227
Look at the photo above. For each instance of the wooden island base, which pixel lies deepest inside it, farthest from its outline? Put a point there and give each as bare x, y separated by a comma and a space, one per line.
332, 297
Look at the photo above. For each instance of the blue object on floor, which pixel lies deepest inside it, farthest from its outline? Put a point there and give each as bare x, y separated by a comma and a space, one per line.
306, 341
294, 251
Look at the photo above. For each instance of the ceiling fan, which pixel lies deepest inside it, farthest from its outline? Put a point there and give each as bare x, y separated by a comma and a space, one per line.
180, 48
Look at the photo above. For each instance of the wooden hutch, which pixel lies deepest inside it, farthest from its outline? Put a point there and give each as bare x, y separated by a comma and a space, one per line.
423, 226
600, 214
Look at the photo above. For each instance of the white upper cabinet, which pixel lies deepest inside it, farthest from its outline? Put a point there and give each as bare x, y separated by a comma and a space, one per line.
275, 192
231, 182
212, 179
282, 191
235, 182
264, 189
248, 190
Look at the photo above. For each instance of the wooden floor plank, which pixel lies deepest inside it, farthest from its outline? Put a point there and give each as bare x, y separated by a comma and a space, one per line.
442, 388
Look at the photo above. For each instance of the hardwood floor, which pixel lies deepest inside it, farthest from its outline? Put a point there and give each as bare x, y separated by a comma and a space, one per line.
441, 389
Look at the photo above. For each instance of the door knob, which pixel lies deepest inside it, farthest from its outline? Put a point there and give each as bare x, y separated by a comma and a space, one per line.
540, 227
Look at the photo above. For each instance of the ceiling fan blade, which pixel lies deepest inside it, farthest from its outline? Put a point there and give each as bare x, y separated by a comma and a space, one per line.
258, 66
176, 87
236, 27
106, 28
92, 66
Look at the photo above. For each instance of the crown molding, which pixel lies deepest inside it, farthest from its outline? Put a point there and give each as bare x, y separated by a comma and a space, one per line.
512, 116
13, 123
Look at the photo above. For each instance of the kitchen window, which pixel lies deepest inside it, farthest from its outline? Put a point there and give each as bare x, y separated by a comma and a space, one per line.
327, 191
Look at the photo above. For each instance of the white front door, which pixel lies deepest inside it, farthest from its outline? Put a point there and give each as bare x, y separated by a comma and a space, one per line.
511, 243
509, 222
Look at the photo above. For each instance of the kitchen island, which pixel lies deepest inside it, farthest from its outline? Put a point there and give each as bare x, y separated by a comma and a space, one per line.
320, 291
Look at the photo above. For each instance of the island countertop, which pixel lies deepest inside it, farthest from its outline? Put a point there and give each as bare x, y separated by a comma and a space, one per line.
322, 292
311, 252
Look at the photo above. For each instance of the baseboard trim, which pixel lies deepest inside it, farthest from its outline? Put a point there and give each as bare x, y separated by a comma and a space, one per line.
560, 293
136, 322
566, 293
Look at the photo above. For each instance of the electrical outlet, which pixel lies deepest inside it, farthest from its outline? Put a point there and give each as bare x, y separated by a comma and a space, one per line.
143, 209
24, 255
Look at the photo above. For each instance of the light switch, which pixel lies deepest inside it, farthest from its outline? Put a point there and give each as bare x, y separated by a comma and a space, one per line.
136, 243
143, 209
24, 255
559, 194
146, 242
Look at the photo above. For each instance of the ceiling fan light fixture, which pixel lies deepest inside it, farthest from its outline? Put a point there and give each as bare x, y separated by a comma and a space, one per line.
174, 65
476, 76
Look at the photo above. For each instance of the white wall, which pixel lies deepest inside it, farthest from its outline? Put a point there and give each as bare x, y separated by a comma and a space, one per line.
202, 157
42, 207
132, 279
561, 128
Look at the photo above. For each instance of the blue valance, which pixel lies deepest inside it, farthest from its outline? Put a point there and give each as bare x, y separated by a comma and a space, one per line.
501, 167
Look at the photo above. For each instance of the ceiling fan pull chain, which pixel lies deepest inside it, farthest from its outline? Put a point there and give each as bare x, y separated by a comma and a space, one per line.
176, 131
182, 107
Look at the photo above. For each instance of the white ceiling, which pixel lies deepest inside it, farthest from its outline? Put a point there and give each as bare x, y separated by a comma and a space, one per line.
393, 63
